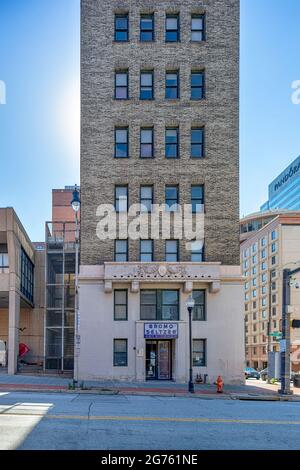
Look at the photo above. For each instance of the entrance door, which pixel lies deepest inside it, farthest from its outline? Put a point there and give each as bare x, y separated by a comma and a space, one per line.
158, 360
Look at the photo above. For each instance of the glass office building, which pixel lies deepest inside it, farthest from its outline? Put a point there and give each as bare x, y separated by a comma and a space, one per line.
284, 191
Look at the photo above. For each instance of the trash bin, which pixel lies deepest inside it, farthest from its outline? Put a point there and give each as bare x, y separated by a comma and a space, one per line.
296, 381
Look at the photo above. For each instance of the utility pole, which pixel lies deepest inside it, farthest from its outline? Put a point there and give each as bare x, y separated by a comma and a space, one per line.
286, 332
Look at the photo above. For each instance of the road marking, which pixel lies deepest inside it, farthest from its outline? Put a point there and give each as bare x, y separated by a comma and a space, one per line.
156, 418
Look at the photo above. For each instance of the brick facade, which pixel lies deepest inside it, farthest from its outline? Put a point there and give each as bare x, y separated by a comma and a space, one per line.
218, 112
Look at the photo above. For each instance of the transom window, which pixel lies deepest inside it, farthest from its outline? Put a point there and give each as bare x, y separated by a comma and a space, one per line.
197, 142
146, 251
172, 28
121, 250
146, 150
172, 251
121, 85
160, 305
146, 86
147, 28
197, 85
121, 27
121, 142
172, 141
197, 28
172, 85
146, 198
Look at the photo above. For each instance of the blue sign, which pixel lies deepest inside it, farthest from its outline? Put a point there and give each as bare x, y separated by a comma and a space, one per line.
161, 330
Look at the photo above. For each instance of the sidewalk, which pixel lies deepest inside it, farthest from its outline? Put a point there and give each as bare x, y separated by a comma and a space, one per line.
252, 390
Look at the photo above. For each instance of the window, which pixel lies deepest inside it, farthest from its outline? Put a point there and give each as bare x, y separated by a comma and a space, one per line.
254, 282
254, 349
121, 142
263, 290
254, 270
171, 193
254, 339
159, 305
273, 260
246, 253
274, 311
172, 28
171, 250
4, 260
121, 250
197, 28
274, 235
246, 297
172, 85
146, 85
246, 264
121, 27
274, 324
263, 266
254, 248
263, 241
273, 274
246, 310
199, 310
27, 273
273, 285
263, 277
121, 85
264, 314
264, 302
254, 259
254, 327
197, 142
274, 298
121, 198
254, 293
146, 198
197, 85
197, 198
120, 352
254, 316
263, 253
120, 305
274, 247
146, 150
147, 28
146, 250
197, 251
199, 352
172, 138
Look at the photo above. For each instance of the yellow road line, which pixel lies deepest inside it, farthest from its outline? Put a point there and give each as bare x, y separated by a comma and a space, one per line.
156, 418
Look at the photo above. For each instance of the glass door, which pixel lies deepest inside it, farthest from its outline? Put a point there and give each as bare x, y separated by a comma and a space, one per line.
151, 360
164, 360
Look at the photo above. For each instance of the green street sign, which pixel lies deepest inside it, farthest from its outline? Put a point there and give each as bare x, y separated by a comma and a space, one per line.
276, 334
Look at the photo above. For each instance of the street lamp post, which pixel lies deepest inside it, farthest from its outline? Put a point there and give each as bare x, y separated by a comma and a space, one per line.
190, 305
75, 203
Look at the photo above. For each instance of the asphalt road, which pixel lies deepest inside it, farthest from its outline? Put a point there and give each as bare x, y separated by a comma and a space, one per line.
67, 421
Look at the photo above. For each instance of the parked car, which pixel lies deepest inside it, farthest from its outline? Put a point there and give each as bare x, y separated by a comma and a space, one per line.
3, 353
251, 373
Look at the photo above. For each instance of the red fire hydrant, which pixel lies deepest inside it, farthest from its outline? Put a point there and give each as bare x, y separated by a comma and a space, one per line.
219, 384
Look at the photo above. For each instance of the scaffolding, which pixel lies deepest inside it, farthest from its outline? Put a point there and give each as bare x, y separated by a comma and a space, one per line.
59, 296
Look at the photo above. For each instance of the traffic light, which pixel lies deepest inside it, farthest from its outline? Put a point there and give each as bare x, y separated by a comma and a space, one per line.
295, 323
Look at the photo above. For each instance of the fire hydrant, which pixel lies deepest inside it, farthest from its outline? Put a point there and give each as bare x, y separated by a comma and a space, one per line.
219, 384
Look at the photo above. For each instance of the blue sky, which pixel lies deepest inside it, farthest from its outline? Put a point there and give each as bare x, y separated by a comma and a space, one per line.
39, 125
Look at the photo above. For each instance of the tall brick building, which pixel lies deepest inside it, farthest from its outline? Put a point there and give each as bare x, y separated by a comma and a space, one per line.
160, 87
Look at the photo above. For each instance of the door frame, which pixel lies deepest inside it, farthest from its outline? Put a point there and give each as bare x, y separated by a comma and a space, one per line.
170, 342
